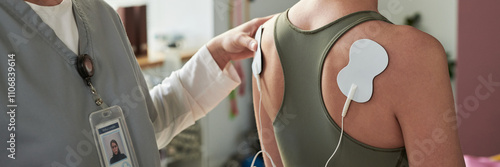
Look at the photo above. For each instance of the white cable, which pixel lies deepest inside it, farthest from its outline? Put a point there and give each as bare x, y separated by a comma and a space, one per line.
267, 154
350, 96
260, 124
255, 157
338, 144
344, 113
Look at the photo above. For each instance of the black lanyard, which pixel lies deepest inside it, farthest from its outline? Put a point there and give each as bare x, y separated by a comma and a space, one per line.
85, 68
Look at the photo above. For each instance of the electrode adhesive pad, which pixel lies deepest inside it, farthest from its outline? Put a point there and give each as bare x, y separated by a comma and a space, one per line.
257, 59
367, 59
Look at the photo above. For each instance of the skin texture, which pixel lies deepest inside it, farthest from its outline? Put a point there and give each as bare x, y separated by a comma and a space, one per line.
412, 105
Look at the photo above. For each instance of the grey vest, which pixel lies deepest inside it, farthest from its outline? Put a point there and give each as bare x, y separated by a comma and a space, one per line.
51, 120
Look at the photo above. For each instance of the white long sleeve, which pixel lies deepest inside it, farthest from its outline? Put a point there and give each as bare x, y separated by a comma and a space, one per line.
189, 94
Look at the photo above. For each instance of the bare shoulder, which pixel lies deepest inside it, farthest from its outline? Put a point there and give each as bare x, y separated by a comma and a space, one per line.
417, 62
420, 90
268, 47
271, 76
413, 44
270, 23
413, 51
407, 46
268, 34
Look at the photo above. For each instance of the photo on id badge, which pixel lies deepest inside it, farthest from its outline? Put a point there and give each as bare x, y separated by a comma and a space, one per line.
111, 141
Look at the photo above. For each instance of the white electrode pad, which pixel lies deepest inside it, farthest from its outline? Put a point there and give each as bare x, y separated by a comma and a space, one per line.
257, 59
367, 59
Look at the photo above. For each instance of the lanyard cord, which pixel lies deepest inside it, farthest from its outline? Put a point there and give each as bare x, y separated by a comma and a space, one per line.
97, 98
85, 68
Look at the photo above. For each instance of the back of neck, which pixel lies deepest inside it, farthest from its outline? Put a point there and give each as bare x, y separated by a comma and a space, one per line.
325, 11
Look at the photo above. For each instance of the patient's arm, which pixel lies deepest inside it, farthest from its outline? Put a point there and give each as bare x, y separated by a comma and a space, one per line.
272, 94
266, 134
424, 105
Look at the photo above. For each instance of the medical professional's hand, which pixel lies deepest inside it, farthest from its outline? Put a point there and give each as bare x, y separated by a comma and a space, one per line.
237, 43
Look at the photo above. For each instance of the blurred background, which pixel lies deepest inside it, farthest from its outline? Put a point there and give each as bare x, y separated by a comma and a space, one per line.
166, 33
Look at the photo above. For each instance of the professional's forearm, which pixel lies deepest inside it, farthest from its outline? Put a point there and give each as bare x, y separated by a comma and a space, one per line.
190, 93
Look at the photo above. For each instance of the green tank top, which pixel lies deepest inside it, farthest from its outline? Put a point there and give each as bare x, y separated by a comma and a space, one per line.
305, 132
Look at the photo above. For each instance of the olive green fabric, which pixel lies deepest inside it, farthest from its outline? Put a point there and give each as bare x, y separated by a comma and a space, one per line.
305, 132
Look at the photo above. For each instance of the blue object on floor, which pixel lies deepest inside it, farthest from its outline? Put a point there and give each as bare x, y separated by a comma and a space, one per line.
259, 162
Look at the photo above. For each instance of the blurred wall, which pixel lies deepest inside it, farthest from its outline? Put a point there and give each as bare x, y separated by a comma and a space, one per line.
261, 8
193, 19
478, 80
438, 18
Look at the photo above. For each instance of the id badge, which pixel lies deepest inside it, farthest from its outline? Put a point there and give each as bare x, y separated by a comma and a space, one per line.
112, 138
